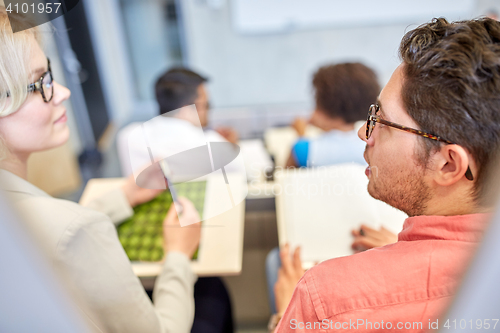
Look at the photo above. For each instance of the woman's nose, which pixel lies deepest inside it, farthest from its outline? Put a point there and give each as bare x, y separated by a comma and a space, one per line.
61, 93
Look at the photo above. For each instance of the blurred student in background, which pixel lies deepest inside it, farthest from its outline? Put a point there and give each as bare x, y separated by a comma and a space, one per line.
342, 93
180, 87
176, 88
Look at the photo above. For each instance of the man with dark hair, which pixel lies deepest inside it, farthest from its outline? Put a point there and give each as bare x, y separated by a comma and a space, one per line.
341, 94
176, 88
431, 140
180, 87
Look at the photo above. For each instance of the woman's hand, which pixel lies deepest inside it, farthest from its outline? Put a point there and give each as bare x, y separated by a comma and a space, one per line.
366, 238
137, 195
182, 239
289, 274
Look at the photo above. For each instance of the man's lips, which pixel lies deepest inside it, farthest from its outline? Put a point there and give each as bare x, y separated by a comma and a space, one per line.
365, 156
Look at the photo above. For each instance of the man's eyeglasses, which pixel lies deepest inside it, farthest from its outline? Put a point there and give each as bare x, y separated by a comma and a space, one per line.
45, 85
374, 118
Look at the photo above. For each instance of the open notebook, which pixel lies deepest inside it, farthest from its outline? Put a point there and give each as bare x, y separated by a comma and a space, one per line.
318, 207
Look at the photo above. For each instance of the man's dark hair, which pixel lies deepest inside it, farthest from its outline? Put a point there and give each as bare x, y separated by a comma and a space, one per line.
451, 86
345, 90
177, 88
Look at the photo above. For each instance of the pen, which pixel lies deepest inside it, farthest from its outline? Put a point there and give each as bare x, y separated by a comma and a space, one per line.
165, 171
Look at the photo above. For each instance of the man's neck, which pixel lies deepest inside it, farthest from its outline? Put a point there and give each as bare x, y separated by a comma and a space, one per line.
454, 210
458, 200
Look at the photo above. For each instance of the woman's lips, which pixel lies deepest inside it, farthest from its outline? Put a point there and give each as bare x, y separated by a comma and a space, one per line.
61, 119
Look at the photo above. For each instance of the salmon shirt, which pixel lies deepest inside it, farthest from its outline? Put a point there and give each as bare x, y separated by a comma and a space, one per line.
402, 287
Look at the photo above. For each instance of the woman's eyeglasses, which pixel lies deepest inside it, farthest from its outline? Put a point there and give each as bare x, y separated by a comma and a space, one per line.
45, 85
373, 118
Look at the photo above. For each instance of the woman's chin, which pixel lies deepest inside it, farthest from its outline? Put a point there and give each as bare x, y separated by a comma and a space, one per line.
65, 135
60, 138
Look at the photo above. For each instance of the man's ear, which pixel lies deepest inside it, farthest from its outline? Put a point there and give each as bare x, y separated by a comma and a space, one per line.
452, 166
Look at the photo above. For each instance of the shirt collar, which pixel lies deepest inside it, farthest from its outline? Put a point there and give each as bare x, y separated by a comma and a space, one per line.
12, 183
465, 228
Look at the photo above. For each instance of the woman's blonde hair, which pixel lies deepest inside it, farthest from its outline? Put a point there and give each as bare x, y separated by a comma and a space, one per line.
15, 56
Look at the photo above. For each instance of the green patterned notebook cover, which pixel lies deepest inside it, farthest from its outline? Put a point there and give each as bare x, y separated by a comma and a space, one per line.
142, 234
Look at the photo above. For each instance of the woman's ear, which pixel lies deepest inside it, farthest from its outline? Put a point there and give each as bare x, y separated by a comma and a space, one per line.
453, 164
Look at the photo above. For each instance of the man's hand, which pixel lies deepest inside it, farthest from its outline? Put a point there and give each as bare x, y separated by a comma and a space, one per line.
137, 195
300, 125
366, 238
229, 134
289, 274
182, 239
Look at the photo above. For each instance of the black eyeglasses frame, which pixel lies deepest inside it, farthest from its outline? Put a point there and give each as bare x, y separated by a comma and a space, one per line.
373, 118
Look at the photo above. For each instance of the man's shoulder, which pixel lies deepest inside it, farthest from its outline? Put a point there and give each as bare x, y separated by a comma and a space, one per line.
349, 270
359, 261
393, 275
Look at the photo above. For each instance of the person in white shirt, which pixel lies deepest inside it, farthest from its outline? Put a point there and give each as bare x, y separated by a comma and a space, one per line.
175, 89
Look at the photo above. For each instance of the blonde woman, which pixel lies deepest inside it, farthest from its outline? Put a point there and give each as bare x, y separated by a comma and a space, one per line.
82, 241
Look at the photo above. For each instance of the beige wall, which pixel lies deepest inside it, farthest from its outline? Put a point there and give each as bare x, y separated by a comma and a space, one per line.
55, 171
